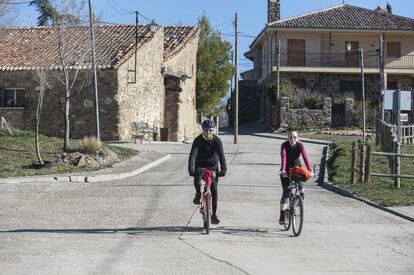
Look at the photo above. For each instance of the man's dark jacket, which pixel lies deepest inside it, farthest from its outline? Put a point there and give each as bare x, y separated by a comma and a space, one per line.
207, 154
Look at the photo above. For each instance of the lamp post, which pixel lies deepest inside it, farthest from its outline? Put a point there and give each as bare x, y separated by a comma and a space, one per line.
361, 63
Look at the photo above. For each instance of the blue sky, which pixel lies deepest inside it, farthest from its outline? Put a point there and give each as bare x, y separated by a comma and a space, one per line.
252, 13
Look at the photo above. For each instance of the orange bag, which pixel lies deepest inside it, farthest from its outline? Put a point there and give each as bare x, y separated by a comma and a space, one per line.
305, 173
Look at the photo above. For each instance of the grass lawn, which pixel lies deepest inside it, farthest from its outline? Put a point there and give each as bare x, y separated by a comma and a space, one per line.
381, 189
18, 152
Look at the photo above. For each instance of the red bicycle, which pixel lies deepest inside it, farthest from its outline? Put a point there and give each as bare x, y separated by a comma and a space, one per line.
206, 205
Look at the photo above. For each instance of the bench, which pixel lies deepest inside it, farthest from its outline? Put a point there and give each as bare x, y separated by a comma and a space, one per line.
142, 131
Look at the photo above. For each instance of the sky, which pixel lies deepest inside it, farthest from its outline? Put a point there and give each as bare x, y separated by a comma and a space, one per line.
252, 14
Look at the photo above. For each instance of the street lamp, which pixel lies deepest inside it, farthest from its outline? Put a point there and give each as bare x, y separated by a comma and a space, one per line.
361, 63
153, 27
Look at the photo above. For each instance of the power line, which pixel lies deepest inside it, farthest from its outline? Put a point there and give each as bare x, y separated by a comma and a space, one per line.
15, 3
225, 23
117, 8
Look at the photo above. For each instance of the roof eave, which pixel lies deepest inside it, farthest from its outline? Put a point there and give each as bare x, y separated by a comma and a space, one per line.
340, 30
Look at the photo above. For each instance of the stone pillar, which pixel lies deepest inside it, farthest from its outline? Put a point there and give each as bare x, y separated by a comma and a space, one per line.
284, 112
349, 112
327, 110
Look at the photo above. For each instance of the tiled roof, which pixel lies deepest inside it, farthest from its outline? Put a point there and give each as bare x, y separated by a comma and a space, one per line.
28, 48
177, 37
348, 17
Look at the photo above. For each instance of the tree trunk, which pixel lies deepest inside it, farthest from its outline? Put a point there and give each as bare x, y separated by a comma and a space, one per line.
38, 112
66, 139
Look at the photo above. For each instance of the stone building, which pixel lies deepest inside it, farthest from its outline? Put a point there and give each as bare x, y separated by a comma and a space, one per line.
135, 69
319, 54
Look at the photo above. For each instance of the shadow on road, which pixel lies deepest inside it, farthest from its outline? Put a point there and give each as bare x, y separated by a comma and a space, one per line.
128, 230
235, 231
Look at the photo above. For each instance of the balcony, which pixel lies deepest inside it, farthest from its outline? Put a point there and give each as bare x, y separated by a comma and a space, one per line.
342, 62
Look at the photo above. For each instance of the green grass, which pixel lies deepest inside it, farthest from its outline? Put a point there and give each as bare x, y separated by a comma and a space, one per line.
381, 189
17, 153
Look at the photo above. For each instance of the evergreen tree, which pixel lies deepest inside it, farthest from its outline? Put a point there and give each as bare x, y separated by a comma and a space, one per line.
389, 7
47, 12
213, 69
50, 15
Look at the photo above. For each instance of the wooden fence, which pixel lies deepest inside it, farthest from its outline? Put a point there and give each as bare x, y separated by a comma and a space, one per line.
386, 135
364, 169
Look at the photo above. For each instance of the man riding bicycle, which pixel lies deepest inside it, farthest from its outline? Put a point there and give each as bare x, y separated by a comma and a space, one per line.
290, 153
206, 152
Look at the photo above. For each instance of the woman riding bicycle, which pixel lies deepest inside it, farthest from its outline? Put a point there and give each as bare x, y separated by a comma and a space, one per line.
206, 152
290, 153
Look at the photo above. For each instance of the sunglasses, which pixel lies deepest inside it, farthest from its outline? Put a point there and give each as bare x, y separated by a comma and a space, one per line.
208, 129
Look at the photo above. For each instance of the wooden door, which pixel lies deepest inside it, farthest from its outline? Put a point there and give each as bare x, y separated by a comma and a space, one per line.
296, 52
351, 57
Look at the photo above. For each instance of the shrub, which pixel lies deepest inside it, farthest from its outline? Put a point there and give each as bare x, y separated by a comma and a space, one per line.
90, 145
312, 102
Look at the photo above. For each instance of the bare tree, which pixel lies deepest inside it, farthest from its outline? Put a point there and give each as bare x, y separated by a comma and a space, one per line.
72, 47
41, 76
71, 63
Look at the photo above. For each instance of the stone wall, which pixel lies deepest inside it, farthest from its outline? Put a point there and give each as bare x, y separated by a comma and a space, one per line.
249, 102
143, 100
14, 116
185, 62
82, 110
305, 117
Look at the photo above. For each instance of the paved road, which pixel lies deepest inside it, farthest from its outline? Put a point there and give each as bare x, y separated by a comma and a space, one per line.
147, 224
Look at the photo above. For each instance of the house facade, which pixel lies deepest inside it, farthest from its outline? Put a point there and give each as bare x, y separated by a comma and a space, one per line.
131, 72
319, 53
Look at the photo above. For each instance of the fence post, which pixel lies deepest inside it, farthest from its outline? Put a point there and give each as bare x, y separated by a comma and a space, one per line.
362, 162
368, 166
353, 164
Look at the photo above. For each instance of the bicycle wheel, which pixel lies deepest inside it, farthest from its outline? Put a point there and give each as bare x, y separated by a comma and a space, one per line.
207, 215
297, 215
288, 219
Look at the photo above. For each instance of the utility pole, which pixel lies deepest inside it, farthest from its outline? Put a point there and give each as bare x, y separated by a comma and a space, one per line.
278, 83
382, 80
361, 57
231, 92
95, 79
236, 84
397, 171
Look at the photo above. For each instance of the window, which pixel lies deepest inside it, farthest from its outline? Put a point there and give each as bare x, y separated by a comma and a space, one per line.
299, 83
393, 49
392, 85
12, 97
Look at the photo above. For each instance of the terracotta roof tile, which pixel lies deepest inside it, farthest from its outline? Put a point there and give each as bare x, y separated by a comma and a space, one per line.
28, 48
350, 18
177, 37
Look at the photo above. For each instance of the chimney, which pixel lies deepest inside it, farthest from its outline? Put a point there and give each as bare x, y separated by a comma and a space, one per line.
273, 10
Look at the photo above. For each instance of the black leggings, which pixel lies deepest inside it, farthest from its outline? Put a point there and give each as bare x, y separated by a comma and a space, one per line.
197, 185
285, 185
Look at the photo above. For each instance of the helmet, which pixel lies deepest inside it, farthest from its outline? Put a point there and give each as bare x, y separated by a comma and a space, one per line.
208, 124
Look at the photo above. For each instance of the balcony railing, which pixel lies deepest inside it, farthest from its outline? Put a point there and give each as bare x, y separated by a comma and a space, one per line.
341, 60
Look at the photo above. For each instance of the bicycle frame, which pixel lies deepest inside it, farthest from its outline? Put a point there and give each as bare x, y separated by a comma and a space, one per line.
206, 198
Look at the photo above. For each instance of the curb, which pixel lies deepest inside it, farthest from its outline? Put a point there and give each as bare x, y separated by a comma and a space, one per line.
88, 179
324, 183
339, 190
